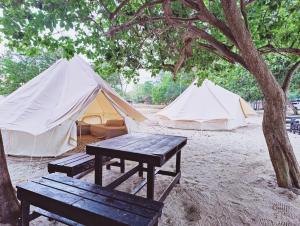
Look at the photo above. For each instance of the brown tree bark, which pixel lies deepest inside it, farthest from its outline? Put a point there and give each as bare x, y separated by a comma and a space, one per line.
9, 205
280, 149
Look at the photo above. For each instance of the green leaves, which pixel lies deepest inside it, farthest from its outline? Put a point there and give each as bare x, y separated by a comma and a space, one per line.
16, 69
80, 27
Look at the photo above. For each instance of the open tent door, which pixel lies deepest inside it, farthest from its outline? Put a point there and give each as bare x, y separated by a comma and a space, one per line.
101, 120
100, 111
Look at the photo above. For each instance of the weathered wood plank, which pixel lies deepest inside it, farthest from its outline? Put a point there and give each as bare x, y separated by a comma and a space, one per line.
151, 148
87, 206
139, 201
65, 159
87, 158
96, 198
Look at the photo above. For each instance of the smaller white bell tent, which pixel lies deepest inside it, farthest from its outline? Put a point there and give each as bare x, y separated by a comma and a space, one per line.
208, 107
39, 119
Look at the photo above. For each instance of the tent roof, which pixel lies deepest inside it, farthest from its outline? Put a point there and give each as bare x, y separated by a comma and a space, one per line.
208, 102
61, 92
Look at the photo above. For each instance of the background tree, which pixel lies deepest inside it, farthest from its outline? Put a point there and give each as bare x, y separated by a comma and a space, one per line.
16, 69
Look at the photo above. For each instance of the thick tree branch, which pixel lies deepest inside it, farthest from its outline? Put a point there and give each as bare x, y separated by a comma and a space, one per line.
244, 13
213, 50
251, 56
271, 49
118, 9
185, 52
221, 48
137, 18
142, 20
289, 76
207, 16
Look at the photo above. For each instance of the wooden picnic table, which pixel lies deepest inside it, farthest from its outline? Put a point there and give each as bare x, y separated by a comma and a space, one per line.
154, 150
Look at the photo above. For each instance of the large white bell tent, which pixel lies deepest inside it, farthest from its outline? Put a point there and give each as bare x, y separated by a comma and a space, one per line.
39, 119
208, 107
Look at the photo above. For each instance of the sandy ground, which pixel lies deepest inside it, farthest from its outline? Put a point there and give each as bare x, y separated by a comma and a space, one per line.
227, 179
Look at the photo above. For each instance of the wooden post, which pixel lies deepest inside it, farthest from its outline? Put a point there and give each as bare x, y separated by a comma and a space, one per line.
25, 209
122, 165
178, 160
98, 169
150, 181
141, 169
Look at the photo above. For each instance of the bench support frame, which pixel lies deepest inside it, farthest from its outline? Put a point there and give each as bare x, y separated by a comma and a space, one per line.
151, 172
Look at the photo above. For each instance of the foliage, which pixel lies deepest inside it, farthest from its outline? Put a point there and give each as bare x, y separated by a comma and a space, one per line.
163, 91
142, 92
167, 89
82, 26
16, 69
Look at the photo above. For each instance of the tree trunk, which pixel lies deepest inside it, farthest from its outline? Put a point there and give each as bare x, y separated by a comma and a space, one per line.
280, 149
281, 152
9, 205
292, 107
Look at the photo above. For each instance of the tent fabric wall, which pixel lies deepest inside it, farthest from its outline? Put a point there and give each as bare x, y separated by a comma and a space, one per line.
101, 106
209, 107
51, 143
46, 108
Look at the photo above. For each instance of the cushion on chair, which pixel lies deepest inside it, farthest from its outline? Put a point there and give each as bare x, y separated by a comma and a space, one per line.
115, 123
98, 130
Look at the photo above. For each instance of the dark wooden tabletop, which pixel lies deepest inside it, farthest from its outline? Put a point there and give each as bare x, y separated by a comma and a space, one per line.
148, 148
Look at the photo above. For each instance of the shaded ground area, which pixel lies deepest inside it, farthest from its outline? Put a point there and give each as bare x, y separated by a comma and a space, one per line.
227, 179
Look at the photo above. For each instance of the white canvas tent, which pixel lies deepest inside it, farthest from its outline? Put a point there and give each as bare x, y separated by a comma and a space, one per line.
208, 107
39, 118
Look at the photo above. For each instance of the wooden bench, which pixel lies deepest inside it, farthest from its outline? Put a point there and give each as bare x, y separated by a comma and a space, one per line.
74, 202
295, 127
80, 164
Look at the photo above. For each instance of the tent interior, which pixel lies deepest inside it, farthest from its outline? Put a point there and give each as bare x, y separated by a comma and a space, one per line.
101, 120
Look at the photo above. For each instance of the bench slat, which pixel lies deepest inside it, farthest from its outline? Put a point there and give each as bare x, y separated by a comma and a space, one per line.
59, 161
96, 197
106, 192
80, 161
85, 206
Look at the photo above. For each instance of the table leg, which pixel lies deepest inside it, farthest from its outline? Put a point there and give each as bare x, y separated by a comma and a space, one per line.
122, 165
98, 169
141, 169
178, 160
150, 181
25, 209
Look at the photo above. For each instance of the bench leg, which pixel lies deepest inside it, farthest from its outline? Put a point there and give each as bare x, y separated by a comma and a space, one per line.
25, 209
141, 169
122, 165
150, 181
178, 160
98, 169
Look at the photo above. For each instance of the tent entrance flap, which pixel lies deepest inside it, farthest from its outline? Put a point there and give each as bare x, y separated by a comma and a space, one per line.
100, 110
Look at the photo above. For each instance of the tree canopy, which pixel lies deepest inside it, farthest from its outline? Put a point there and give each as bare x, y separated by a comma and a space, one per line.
122, 38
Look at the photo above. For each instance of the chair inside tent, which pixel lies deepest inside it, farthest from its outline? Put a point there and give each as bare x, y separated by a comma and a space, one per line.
101, 120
